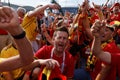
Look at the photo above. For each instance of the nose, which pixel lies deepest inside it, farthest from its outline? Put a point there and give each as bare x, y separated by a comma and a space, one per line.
61, 39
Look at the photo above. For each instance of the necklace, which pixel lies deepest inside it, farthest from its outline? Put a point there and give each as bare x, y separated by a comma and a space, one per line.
63, 63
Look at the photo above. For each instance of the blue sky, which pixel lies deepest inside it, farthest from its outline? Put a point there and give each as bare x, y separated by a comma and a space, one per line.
64, 3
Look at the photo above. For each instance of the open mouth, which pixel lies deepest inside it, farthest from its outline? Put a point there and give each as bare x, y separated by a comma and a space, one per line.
103, 35
60, 45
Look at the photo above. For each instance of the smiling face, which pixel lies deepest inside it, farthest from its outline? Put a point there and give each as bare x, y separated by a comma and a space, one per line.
107, 35
60, 41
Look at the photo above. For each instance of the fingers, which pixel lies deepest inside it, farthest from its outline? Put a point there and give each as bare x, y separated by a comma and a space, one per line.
5, 14
96, 26
8, 18
51, 64
57, 6
54, 6
55, 62
8, 12
94, 30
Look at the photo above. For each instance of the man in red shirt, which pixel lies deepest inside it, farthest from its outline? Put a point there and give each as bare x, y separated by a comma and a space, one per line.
58, 52
108, 57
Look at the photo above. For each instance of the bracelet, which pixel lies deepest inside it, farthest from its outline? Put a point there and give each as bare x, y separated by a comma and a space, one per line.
19, 36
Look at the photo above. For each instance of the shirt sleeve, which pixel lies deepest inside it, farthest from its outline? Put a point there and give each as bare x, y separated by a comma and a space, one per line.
40, 53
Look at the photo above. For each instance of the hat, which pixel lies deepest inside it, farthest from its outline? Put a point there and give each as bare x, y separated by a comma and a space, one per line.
111, 27
117, 4
115, 23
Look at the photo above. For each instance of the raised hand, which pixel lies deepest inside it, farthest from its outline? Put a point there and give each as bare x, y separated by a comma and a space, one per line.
85, 5
97, 7
54, 6
8, 18
98, 28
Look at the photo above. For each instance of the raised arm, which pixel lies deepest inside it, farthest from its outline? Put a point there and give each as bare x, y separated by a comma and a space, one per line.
46, 35
97, 30
9, 21
99, 11
40, 10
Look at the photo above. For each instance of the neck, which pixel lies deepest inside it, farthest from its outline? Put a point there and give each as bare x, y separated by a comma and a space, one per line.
58, 54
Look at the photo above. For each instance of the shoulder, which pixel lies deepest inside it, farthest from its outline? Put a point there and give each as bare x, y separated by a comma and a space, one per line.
69, 56
27, 17
111, 47
43, 51
46, 47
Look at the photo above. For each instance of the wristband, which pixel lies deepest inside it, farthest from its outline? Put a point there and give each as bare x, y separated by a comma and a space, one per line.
19, 36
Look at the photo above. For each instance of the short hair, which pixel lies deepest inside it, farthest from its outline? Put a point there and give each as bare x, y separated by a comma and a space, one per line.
61, 28
21, 9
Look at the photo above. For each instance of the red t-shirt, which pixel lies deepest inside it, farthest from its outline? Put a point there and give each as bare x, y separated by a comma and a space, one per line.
113, 49
45, 53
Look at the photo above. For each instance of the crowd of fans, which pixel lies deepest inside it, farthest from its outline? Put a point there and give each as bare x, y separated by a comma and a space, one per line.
57, 46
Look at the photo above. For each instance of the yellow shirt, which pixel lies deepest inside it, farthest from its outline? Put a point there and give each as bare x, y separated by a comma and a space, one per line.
1, 77
9, 52
30, 25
